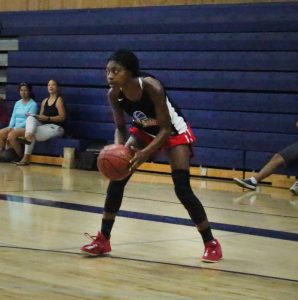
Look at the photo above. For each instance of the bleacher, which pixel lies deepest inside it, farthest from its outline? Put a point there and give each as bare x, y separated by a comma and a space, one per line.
233, 69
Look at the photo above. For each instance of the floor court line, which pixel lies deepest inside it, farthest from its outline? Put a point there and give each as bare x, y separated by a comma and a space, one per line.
283, 235
169, 202
149, 261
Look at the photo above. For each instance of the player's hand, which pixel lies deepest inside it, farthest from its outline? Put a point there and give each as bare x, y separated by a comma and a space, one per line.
139, 157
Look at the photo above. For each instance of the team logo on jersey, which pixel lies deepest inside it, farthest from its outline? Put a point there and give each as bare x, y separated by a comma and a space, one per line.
140, 118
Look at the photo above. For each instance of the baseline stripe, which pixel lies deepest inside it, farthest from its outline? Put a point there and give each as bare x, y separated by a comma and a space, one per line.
275, 234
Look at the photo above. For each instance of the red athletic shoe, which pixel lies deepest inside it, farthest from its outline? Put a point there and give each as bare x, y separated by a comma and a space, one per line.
98, 246
212, 252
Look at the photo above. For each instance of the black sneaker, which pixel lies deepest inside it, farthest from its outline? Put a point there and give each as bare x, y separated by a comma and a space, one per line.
246, 183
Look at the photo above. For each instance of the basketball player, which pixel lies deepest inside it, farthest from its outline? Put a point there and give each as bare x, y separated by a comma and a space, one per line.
156, 123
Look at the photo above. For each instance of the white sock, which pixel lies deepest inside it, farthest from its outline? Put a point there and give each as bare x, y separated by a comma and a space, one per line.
253, 180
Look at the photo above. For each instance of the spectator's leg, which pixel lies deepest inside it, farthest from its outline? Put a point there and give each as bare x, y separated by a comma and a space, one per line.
12, 139
276, 161
32, 125
3, 137
36, 132
48, 131
31, 128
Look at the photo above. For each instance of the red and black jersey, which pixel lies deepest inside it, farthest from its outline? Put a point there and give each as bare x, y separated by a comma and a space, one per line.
144, 116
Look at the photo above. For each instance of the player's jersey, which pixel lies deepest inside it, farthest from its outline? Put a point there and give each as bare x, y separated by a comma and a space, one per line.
144, 116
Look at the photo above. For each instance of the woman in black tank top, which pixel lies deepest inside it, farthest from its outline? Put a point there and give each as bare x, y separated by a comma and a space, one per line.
52, 108
156, 123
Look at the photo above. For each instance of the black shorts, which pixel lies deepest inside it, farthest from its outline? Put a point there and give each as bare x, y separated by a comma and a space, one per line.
290, 153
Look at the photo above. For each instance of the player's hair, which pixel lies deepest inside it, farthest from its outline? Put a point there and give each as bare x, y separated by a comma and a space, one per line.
128, 60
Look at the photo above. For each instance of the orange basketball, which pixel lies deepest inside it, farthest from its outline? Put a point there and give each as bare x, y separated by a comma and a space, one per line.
113, 161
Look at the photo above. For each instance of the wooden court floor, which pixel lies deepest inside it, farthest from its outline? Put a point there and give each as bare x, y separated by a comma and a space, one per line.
44, 212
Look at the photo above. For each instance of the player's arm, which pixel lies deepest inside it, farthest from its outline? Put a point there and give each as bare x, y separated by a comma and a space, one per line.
120, 135
157, 94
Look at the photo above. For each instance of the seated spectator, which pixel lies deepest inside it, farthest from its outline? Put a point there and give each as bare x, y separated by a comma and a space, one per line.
285, 157
4, 118
16, 127
47, 125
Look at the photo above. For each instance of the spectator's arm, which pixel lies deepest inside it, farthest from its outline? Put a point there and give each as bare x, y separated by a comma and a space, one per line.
42, 106
33, 109
41, 117
12, 121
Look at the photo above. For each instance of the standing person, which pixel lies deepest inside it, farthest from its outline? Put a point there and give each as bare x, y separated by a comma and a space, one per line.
285, 157
46, 125
16, 127
156, 123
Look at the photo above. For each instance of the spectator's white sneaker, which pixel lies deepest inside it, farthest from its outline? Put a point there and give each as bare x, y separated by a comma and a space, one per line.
294, 188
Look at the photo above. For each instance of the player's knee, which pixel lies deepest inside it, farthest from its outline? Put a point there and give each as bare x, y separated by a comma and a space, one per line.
183, 192
183, 189
191, 203
187, 197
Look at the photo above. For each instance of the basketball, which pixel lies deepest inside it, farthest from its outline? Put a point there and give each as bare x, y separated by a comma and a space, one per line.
113, 161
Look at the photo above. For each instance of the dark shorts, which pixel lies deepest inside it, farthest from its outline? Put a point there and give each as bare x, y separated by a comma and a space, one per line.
290, 153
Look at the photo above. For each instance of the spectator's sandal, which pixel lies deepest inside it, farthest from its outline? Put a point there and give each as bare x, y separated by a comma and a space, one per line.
23, 140
22, 163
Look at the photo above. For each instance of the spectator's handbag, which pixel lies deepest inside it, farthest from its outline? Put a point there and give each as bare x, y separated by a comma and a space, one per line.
8, 155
